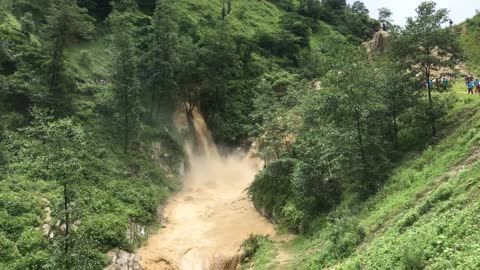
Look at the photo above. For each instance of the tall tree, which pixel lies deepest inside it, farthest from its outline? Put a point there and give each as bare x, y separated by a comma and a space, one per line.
335, 4
124, 80
424, 44
58, 151
65, 21
353, 104
162, 60
226, 8
385, 15
398, 93
189, 75
359, 7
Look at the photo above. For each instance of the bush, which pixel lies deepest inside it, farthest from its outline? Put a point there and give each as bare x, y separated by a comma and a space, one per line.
271, 187
30, 241
413, 258
408, 220
8, 251
293, 217
107, 231
252, 244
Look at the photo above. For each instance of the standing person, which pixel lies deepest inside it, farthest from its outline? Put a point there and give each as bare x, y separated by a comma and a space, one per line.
424, 84
470, 87
445, 83
476, 83
430, 83
437, 83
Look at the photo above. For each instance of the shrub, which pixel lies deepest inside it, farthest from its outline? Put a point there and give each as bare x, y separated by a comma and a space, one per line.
408, 220
252, 244
107, 231
293, 217
413, 258
8, 250
271, 187
30, 241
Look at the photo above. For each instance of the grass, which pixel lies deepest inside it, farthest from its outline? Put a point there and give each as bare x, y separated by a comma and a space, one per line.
247, 17
262, 254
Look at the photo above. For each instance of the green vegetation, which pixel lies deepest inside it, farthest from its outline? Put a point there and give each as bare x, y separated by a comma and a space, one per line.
68, 191
422, 218
370, 169
470, 35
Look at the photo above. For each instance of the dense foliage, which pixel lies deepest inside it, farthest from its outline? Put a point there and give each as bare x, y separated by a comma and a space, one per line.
342, 132
70, 188
88, 91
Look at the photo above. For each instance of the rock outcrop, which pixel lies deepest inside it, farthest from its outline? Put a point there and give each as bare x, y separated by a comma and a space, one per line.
378, 43
122, 260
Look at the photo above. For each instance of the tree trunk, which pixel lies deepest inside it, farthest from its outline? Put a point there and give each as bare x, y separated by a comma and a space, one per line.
66, 203
395, 124
125, 149
430, 102
360, 140
56, 64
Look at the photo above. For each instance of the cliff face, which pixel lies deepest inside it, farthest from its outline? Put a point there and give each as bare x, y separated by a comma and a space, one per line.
380, 40
378, 43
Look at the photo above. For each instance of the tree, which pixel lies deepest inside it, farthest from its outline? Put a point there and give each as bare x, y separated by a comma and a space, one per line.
398, 92
311, 8
359, 8
28, 24
58, 151
188, 75
424, 44
385, 15
299, 26
354, 108
124, 80
65, 21
162, 60
217, 56
335, 4
226, 8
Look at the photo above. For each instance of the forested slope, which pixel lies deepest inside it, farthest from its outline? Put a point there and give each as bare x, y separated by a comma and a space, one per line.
87, 93
424, 212
425, 216
368, 167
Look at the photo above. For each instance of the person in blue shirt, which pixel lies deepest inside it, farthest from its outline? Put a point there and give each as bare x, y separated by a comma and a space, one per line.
476, 83
445, 83
470, 87
430, 83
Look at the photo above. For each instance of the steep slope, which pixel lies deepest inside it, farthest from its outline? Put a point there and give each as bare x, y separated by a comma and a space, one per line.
470, 37
119, 199
426, 216
119, 194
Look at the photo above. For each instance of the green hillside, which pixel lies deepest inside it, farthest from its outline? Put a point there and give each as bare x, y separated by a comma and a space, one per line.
426, 216
102, 192
364, 167
470, 38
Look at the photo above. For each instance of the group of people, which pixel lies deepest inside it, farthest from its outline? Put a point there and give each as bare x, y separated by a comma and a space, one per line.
437, 83
472, 84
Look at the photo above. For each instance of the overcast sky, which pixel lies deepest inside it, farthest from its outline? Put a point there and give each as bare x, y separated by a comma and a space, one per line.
459, 9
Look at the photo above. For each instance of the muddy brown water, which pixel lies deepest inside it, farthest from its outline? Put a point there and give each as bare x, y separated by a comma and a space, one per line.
211, 216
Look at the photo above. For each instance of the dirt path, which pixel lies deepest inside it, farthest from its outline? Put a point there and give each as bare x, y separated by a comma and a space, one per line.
284, 258
209, 219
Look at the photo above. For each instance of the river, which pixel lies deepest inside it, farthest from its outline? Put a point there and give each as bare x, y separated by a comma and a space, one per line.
211, 216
